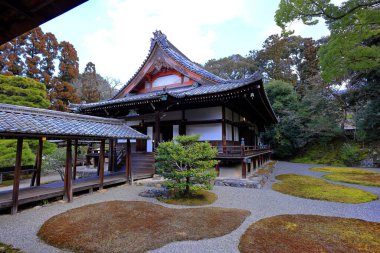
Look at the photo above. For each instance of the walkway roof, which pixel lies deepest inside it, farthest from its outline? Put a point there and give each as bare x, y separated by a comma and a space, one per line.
18, 121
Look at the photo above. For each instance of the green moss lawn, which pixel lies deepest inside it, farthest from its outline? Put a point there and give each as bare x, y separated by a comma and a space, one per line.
198, 198
6, 248
312, 234
319, 189
351, 175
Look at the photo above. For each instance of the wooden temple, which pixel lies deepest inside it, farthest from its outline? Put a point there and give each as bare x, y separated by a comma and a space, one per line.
170, 95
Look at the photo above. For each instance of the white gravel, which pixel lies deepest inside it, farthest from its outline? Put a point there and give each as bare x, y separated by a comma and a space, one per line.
20, 230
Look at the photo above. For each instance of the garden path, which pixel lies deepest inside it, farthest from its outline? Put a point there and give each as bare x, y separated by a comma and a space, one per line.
20, 230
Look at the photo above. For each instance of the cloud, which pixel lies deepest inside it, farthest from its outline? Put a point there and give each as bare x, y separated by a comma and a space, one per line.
119, 50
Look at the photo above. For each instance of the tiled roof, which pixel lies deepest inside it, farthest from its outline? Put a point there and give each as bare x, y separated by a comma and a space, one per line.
187, 91
161, 40
25, 120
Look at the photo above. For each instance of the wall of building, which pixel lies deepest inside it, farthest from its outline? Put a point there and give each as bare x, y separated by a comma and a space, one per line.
204, 113
208, 132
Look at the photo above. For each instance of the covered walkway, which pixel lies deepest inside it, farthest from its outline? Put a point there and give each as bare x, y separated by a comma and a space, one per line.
19, 122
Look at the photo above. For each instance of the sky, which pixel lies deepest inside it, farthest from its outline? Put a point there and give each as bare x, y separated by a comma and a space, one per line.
115, 34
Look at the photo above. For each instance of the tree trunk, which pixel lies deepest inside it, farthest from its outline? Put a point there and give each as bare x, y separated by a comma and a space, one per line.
187, 190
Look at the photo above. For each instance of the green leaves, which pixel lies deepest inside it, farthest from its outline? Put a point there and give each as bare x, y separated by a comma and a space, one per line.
355, 30
23, 91
187, 163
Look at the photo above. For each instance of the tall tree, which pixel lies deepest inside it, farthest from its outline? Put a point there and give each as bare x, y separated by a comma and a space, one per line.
62, 94
355, 33
351, 55
34, 48
90, 84
231, 67
68, 62
92, 87
11, 56
50, 54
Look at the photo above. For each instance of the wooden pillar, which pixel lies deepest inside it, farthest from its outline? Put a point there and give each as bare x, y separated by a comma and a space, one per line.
16, 177
249, 167
39, 161
224, 141
182, 125
156, 129
217, 169
36, 178
68, 187
101, 164
75, 159
110, 155
128, 169
243, 169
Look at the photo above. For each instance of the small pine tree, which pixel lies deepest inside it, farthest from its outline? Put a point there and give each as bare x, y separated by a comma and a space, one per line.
187, 163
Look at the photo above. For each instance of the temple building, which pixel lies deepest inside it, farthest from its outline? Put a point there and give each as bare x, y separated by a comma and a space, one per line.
170, 95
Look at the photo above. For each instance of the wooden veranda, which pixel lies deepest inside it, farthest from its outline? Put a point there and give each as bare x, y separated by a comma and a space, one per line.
55, 190
19, 122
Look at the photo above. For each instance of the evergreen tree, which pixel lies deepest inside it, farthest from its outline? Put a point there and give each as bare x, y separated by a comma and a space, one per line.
68, 62
187, 163
33, 50
24, 91
50, 54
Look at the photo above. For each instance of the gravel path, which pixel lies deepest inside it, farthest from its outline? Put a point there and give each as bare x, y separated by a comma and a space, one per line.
20, 230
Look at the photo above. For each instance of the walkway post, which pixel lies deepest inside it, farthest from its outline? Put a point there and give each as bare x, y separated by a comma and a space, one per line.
16, 178
224, 140
36, 177
68, 187
243, 169
75, 159
156, 129
101, 164
110, 155
128, 169
39, 161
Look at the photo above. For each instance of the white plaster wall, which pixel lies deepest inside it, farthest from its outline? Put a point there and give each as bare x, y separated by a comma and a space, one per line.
125, 140
175, 131
204, 113
228, 132
236, 133
210, 132
149, 143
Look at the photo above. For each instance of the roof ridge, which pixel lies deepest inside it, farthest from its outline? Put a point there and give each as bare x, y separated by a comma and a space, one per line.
55, 114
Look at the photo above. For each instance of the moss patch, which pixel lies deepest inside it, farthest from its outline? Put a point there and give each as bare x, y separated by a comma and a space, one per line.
135, 226
315, 188
321, 154
198, 198
351, 175
6, 248
311, 233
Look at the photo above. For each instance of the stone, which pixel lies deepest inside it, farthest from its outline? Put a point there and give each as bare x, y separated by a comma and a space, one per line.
255, 182
153, 193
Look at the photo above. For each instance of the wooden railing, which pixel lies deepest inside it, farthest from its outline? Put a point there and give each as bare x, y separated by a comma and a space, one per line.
240, 151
